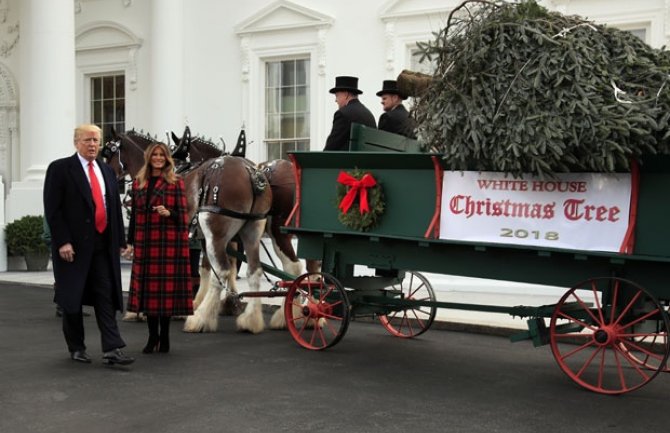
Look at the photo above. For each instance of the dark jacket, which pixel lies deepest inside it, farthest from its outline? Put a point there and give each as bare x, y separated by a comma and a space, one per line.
397, 121
70, 214
353, 112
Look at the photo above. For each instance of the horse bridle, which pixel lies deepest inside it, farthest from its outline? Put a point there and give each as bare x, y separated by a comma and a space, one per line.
115, 146
108, 151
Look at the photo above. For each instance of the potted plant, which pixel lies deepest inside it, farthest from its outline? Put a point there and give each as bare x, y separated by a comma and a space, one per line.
25, 237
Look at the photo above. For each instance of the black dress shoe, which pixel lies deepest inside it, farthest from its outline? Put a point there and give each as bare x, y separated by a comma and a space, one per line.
117, 356
80, 356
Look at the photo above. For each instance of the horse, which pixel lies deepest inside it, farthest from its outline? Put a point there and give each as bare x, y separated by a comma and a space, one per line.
280, 174
229, 196
228, 210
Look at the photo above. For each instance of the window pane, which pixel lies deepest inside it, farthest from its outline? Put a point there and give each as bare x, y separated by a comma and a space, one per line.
96, 89
288, 73
301, 100
273, 74
301, 126
287, 146
426, 66
274, 150
272, 101
120, 109
120, 86
108, 111
302, 145
108, 87
640, 33
272, 126
96, 112
287, 126
106, 132
301, 72
288, 99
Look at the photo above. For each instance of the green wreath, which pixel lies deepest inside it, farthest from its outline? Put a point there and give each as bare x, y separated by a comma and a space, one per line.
353, 218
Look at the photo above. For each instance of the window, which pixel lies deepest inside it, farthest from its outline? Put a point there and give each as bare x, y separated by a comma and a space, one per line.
108, 104
426, 66
286, 107
640, 33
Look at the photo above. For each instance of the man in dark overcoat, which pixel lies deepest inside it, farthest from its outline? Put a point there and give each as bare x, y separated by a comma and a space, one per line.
395, 118
351, 110
86, 241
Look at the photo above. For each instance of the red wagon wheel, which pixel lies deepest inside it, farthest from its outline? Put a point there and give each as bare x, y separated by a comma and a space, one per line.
610, 335
408, 322
645, 359
317, 311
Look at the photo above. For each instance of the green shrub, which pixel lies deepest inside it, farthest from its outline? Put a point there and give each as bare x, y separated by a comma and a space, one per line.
25, 235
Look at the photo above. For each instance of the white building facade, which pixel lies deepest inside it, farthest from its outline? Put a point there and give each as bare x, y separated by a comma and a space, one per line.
214, 65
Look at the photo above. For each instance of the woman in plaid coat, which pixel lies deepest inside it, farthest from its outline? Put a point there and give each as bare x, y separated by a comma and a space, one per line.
160, 282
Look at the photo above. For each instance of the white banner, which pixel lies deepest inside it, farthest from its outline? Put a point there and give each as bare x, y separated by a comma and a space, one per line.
581, 211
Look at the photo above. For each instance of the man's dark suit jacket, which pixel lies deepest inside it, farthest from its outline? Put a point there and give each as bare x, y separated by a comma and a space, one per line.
398, 122
353, 112
70, 213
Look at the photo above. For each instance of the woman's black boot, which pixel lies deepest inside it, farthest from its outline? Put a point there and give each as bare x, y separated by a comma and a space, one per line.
164, 341
152, 343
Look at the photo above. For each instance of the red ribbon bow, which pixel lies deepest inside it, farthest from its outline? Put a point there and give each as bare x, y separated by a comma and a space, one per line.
367, 181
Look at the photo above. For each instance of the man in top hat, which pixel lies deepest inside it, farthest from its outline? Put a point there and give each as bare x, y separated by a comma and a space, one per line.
351, 111
395, 117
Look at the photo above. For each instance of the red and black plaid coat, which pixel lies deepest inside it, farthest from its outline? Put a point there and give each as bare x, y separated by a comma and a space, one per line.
160, 282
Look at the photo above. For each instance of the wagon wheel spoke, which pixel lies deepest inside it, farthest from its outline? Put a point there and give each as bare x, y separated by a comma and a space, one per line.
410, 321
576, 321
577, 350
316, 311
609, 335
642, 340
586, 308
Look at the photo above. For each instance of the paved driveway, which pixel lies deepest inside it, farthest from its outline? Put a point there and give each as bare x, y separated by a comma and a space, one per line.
232, 382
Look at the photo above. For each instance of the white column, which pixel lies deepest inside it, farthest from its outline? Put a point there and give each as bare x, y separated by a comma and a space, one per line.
167, 65
47, 101
3, 250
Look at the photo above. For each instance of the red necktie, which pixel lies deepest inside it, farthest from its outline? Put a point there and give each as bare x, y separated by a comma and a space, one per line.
100, 214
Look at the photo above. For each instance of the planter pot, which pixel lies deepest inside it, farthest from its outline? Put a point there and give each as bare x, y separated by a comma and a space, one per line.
37, 261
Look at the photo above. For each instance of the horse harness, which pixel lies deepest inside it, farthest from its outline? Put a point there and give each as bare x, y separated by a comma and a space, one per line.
258, 183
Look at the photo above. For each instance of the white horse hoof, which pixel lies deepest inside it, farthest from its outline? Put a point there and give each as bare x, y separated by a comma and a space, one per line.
278, 320
193, 324
133, 317
250, 322
196, 323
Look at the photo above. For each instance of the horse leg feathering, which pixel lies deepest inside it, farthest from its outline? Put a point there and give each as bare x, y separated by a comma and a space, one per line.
205, 317
252, 318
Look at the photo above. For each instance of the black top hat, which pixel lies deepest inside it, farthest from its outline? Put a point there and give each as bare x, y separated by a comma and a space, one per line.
346, 84
390, 87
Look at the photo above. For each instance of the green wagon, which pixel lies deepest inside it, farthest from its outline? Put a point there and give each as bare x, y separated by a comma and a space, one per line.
608, 332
